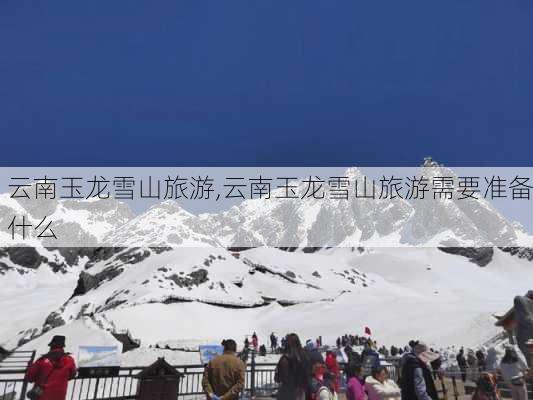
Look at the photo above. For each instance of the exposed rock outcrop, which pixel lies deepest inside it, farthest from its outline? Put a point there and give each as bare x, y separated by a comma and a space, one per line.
481, 256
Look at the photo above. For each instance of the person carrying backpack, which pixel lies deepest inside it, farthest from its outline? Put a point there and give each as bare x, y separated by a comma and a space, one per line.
51, 372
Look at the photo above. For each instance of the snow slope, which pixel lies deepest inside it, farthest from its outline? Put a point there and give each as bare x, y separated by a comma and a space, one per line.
410, 293
82, 332
212, 276
26, 300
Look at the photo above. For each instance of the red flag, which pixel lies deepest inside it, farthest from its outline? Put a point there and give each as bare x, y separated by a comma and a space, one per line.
368, 331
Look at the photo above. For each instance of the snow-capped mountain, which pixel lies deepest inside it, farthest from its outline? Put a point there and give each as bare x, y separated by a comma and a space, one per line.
457, 222
163, 225
354, 260
210, 294
80, 222
310, 222
278, 222
83, 223
212, 276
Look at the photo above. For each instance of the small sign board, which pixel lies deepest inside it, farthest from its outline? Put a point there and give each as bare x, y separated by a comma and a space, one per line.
98, 356
208, 352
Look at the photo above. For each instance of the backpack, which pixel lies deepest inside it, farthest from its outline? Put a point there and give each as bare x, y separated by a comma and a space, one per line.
323, 392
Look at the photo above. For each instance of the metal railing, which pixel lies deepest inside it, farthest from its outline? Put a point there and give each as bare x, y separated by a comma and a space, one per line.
121, 387
259, 381
12, 383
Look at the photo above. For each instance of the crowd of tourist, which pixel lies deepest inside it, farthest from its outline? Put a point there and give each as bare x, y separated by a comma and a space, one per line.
312, 372
304, 373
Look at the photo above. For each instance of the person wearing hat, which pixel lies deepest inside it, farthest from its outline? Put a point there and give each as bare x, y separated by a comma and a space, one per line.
417, 381
408, 350
52, 371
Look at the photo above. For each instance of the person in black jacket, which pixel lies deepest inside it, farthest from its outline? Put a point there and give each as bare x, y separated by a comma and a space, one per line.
480, 355
461, 361
417, 381
293, 372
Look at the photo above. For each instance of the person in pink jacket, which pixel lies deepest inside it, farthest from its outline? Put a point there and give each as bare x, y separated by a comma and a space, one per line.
355, 384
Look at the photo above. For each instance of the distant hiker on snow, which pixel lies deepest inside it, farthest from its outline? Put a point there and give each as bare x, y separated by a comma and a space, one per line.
224, 375
293, 370
51, 373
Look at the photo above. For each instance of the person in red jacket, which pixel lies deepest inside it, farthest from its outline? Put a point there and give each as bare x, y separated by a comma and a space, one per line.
334, 369
53, 370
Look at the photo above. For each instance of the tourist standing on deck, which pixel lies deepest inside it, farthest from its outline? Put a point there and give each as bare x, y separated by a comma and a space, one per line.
380, 387
255, 341
224, 375
513, 368
461, 361
355, 385
293, 372
52, 371
417, 381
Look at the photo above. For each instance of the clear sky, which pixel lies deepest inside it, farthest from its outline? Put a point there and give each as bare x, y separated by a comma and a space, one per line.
270, 83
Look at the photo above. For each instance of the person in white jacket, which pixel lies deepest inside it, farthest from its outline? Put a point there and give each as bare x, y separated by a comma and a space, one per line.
380, 387
492, 362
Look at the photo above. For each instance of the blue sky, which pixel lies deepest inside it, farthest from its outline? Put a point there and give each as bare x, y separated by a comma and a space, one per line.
266, 83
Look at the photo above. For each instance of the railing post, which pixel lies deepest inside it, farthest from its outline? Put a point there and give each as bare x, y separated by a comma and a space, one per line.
25, 383
96, 388
454, 384
252, 375
444, 390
